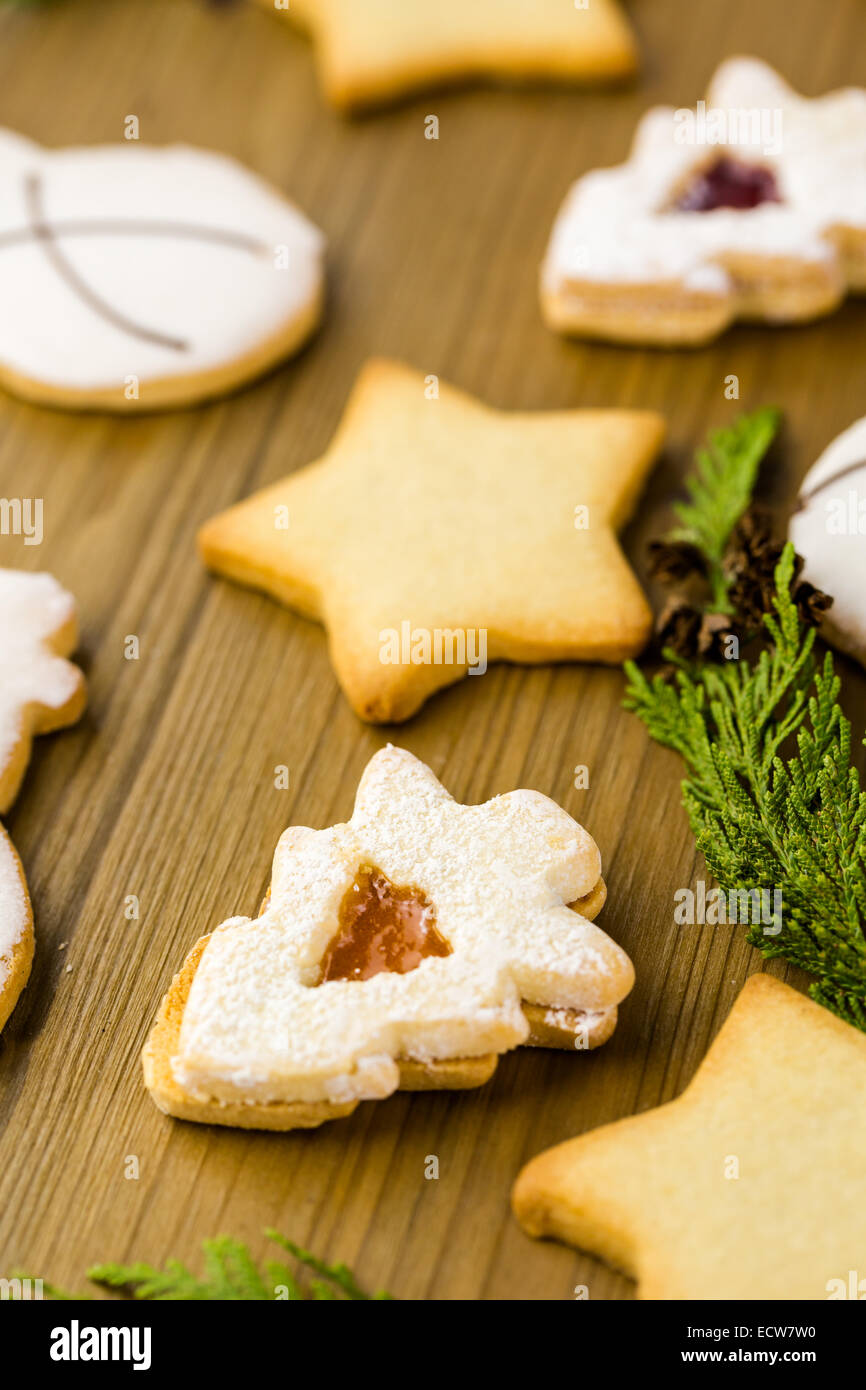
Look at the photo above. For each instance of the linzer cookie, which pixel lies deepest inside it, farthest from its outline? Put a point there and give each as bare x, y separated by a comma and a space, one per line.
437, 534
16, 928
373, 52
134, 277
751, 207
745, 1187
406, 949
828, 529
39, 690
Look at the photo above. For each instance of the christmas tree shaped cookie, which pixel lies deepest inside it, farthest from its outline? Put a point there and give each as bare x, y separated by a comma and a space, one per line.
407, 948
752, 206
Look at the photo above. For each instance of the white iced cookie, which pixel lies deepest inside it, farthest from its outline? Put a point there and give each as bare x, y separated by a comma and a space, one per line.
402, 948
753, 207
39, 690
828, 529
16, 928
134, 277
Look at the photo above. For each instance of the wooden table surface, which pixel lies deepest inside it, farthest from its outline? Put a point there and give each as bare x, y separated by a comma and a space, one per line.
166, 791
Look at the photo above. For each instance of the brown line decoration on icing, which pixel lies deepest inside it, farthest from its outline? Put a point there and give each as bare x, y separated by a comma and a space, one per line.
45, 235
806, 497
190, 231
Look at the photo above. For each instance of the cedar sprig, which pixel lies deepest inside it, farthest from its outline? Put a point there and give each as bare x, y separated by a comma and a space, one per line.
720, 489
230, 1275
763, 815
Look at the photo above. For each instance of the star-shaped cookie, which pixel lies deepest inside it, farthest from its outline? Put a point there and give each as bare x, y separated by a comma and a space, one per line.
373, 52
437, 534
406, 948
753, 206
748, 1186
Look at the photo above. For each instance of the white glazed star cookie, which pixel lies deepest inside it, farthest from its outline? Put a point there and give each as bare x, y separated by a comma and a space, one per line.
39, 690
16, 928
399, 949
753, 207
828, 529
372, 52
134, 277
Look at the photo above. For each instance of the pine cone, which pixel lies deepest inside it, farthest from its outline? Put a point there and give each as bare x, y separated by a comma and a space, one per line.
673, 561
811, 603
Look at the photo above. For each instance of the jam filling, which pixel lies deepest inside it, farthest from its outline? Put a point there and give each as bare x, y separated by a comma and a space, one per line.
728, 183
381, 927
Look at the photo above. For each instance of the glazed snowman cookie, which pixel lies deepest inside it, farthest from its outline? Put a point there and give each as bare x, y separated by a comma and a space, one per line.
751, 207
406, 949
16, 928
39, 690
134, 277
828, 529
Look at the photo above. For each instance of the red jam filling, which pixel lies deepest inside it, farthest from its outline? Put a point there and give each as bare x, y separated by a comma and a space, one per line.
728, 183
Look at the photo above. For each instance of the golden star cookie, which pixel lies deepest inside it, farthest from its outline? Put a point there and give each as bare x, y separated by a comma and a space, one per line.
437, 534
134, 277
828, 529
752, 207
16, 928
373, 52
39, 690
403, 949
748, 1186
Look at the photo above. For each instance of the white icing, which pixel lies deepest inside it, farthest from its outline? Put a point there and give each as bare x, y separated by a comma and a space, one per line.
830, 533
14, 910
220, 301
33, 608
498, 875
612, 227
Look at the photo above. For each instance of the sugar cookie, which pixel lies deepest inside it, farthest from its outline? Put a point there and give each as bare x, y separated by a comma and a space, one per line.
437, 534
134, 277
753, 207
828, 529
16, 928
748, 1186
39, 690
373, 52
403, 949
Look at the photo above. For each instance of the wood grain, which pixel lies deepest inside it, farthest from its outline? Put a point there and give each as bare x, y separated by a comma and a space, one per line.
166, 789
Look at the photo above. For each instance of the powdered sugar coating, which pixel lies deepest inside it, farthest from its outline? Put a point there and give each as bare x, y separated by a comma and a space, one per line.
615, 225
499, 876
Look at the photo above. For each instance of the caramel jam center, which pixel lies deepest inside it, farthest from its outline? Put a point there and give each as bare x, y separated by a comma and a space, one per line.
381, 927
